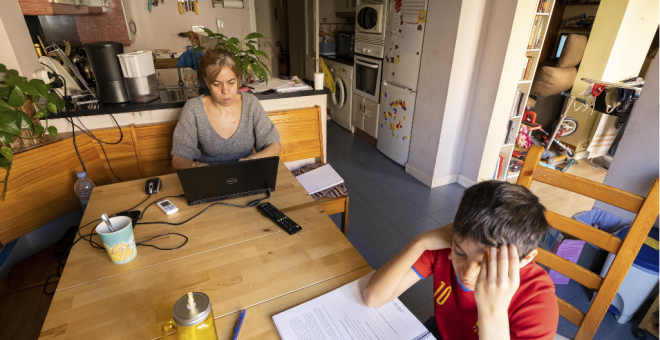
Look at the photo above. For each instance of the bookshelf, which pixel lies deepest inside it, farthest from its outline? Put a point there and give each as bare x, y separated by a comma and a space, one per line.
537, 32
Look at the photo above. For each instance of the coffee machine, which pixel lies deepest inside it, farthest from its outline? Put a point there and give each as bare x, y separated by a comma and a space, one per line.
107, 71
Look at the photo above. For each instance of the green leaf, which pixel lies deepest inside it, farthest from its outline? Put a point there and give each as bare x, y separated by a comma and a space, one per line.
253, 35
51, 107
233, 41
245, 63
5, 163
210, 33
15, 81
233, 49
12, 73
23, 121
16, 98
41, 113
6, 138
8, 122
3, 68
38, 129
262, 53
48, 87
52, 97
199, 48
40, 86
264, 66
52, 131
4, 106
7, 153
4, 92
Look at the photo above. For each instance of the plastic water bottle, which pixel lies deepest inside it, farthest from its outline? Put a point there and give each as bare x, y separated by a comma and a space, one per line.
83, 188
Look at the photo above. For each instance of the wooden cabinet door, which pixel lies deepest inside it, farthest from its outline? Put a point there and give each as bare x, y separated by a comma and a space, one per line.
357, 117
371, 118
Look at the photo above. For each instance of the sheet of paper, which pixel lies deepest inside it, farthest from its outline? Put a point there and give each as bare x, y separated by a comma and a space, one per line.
319, 179
570, 250
342, 315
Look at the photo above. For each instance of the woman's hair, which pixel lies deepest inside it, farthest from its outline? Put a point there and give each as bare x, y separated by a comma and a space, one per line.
212, 62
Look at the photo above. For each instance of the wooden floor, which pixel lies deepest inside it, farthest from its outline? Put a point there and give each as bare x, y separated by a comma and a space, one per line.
565, 202
24, 309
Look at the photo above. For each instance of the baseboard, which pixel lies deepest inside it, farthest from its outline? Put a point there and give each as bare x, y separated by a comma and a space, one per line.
582, 155
428, 181
444, 180
365, 136
420, 176
464, 181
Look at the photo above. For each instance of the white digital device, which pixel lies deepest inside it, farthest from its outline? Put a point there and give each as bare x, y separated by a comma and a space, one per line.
167, 206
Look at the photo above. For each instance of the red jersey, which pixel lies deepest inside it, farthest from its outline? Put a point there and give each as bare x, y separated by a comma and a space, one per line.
533, 312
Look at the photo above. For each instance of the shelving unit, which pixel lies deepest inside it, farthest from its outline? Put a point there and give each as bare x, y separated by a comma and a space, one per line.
525, 85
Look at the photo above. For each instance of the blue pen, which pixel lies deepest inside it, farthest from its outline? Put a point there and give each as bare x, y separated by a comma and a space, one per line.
239, 323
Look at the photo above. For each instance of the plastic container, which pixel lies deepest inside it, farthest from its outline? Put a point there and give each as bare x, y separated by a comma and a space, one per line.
640, 280
83, 188
603, 220
139, 76
327, 48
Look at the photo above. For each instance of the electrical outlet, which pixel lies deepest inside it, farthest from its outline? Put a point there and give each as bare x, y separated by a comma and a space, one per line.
198, 29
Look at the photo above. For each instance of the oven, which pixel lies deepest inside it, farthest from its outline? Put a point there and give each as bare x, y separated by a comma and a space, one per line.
367, 77
370, 18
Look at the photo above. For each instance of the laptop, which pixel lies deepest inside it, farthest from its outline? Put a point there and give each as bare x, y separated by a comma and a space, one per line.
230, 180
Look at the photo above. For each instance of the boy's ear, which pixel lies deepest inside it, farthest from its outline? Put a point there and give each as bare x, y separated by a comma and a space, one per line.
527, 259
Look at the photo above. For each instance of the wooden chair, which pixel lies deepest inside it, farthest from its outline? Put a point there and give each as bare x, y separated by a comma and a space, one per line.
301, 135
626, 250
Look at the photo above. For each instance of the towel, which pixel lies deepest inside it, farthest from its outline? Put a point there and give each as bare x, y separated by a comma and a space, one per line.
329, 81
189, 58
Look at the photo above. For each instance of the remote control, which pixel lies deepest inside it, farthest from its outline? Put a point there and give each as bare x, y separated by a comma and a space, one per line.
279, 218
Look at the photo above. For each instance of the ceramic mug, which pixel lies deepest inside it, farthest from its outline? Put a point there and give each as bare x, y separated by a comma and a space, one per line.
119, 244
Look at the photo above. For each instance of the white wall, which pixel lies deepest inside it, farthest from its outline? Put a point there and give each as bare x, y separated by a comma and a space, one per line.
159, 28
495, 81
433, 84
16, 49
635, 164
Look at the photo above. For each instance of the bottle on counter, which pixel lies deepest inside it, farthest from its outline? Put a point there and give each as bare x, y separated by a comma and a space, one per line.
83, 188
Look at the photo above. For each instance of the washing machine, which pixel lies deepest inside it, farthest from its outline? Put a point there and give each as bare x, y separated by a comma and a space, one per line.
340, 102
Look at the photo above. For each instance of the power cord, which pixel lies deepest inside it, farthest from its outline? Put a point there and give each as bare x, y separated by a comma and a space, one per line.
93, 244
87, 132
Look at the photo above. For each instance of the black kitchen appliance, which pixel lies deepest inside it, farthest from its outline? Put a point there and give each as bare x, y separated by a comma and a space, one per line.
107, 71
345, 44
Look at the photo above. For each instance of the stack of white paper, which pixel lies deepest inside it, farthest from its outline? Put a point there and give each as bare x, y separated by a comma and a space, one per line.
342, 315
319, 179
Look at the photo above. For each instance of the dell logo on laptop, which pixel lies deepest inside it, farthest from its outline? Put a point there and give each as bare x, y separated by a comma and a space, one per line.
232, 181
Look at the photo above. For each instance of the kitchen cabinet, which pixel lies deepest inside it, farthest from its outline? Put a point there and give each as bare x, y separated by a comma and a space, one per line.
365, 115
345, 6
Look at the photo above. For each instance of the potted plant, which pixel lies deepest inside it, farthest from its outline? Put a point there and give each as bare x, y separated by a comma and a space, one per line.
246, 51
22, 104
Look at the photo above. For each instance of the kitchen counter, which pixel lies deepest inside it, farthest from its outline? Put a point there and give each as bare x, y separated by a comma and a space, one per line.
157, 112
159, 105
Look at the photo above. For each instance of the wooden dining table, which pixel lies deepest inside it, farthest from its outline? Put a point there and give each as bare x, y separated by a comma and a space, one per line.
237, 256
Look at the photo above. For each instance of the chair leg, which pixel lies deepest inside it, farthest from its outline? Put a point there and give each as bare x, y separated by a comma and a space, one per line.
344, 222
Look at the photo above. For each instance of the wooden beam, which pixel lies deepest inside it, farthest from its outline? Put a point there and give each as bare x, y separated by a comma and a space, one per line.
576, 272
570, 313
583, 186
584, 232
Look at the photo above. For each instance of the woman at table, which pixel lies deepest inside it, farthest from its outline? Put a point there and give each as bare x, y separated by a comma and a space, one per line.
225, 126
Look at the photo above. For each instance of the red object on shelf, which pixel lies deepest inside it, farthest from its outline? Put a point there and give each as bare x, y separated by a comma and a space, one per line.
529, 119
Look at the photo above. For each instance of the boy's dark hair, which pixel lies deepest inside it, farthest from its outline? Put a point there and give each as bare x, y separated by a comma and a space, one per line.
496, 212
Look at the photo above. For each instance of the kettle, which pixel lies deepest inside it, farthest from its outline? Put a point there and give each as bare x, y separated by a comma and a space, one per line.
193, 318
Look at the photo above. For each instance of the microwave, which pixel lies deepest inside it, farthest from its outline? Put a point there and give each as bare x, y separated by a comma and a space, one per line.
370, 18
345, 44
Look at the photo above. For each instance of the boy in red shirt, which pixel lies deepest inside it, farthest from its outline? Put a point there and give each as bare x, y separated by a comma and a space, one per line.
486, 284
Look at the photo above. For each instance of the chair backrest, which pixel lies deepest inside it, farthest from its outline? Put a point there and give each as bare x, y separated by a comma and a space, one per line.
300, 131
626, 250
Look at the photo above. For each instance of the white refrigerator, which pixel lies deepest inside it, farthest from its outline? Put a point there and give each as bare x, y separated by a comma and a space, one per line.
406, 21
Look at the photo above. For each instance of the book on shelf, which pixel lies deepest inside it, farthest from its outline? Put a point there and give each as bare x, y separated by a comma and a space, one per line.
541, 6
509, 128
526, 67
535, 38
500, 162
517, 103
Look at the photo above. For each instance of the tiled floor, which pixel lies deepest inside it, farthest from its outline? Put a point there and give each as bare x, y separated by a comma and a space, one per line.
388, 208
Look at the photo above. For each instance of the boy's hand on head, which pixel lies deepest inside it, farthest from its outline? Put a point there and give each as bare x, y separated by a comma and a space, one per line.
498, 280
